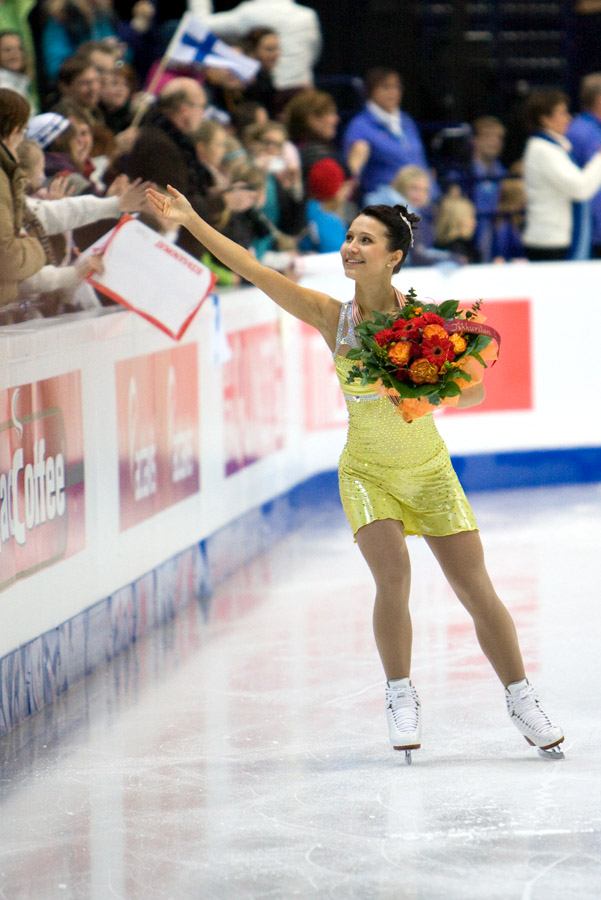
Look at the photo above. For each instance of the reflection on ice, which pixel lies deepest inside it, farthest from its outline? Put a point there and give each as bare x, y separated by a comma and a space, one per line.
246, 756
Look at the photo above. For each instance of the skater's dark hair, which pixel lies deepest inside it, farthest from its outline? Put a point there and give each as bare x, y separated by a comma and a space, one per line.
399, 224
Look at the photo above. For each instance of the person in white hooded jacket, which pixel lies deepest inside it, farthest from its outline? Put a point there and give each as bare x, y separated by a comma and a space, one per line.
47, 217
555, 185
297, 27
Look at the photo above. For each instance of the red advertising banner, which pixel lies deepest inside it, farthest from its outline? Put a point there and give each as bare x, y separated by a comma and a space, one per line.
157, 422
42, 496
508, 383
253, 396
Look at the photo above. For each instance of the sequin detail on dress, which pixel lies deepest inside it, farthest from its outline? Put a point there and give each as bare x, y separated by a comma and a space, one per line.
390, 469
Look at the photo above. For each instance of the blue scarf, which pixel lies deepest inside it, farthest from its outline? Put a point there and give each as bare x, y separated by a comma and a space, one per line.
581, 213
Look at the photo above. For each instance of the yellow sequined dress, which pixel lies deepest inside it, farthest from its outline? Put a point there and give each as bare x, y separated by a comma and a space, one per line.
391, 469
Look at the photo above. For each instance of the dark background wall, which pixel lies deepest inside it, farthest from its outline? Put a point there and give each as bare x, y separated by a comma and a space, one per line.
458, 59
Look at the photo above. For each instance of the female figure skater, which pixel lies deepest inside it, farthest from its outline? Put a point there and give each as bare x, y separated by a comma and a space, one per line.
395, 478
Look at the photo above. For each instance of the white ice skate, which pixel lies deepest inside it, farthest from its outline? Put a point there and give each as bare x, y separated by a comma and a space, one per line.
532, 721
403, 714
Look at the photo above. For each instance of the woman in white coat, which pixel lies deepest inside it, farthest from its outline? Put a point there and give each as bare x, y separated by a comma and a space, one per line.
556, 188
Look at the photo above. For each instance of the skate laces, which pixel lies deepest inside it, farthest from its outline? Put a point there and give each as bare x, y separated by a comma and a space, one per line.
525, 706
404, 705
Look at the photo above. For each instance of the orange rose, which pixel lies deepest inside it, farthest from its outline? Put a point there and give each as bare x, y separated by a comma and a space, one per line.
400, 353
431, 330
459, 343
423, 372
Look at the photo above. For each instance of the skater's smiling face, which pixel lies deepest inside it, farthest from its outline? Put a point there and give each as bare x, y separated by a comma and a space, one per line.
366, 249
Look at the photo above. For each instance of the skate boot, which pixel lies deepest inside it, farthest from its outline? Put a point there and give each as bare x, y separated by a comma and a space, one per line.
532, 721
403, 714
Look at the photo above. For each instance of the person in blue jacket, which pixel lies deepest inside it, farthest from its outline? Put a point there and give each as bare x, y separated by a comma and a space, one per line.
584, 133
391, 135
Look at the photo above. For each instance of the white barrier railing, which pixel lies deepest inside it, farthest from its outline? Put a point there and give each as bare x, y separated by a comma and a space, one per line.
119, 447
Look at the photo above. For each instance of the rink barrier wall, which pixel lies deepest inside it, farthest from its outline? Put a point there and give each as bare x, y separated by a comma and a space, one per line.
136, 473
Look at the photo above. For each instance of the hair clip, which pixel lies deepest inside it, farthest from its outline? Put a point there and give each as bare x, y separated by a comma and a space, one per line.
408, 224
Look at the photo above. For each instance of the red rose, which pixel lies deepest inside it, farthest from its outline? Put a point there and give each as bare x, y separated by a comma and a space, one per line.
432, 319
384, 337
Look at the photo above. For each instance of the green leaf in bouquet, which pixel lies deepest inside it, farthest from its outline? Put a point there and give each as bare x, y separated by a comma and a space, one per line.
452, 389
479, 342
448, 309
479, 359
354, 353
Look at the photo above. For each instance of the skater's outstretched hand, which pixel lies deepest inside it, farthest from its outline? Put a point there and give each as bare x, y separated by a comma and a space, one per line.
173, 207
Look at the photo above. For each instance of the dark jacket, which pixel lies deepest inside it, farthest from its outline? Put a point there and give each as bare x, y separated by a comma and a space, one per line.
165, 155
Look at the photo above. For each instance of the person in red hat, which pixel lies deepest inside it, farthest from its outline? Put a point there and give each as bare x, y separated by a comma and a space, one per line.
329, 190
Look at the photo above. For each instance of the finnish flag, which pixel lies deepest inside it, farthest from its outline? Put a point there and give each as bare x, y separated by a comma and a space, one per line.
193, 44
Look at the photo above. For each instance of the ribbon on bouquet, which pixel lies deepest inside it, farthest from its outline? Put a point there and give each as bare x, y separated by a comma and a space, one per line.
452, 326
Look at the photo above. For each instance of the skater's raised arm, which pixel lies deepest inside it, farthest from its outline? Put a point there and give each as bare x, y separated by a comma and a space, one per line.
313, 307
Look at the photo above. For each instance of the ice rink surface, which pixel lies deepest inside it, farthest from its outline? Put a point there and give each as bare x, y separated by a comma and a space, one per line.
241, 752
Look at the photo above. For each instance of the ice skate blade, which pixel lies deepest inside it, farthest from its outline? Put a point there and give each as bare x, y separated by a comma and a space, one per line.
407, 751
551, 752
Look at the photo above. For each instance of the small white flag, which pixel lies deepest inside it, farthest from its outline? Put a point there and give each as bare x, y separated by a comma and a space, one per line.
193, 43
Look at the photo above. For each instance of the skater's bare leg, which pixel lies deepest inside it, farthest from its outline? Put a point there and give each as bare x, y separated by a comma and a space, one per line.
383, 546
461, 558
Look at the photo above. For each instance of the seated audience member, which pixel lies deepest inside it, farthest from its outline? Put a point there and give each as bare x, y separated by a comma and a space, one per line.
242, 220
70, 23
210, 141
30, 157
284, 203
164, 152
263, 44
455, 227
509, 221
14, 69
328, 190
234, 155
14, 19
584, 133
297, 26
384, 136
75, 151
20, 256
312, 122
556, 188
248, 112
116, 95
79, 82
412, 187
103, 55
486, 174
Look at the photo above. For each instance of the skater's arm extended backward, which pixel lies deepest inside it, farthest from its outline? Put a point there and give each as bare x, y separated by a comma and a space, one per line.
310, 306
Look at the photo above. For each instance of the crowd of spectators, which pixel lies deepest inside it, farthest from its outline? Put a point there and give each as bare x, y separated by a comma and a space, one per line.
92, 110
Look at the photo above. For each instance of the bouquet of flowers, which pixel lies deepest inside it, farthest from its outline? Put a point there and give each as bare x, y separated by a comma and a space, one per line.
423, 356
